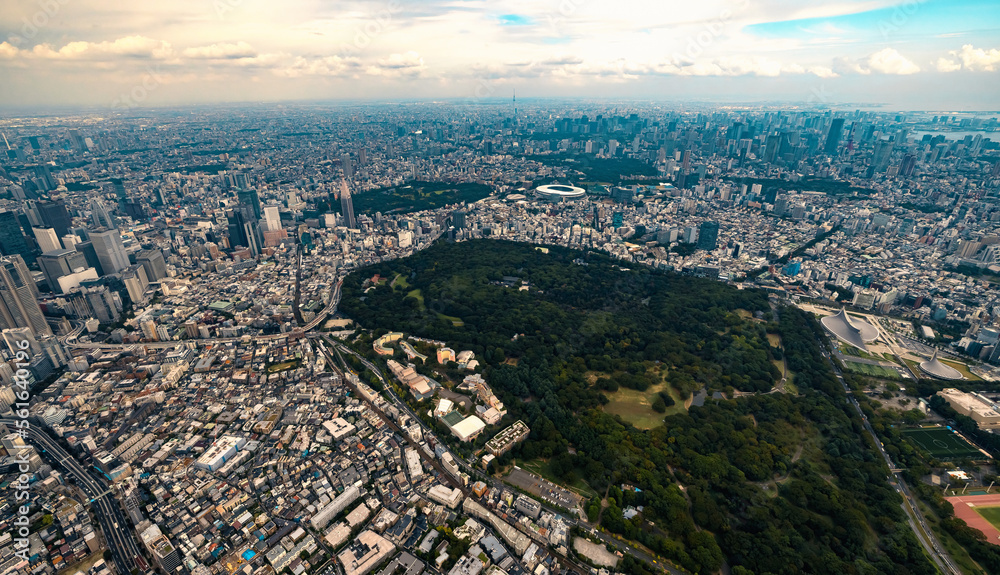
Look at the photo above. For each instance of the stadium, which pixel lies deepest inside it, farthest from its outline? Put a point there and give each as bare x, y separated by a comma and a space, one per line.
934, 368
849, 330
559, 193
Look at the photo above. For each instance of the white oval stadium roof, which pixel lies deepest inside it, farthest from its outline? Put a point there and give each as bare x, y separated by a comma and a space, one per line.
934, 367
849, 330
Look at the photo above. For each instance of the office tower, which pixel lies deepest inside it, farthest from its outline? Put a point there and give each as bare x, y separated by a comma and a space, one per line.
347, 206
686, 161
250, 198
907, 164
458, 219
47, 239
272, 219
780, 206
345, 162
99, 215
54, 215
708, 235
833, 137
58, 263
690, 235
136, 283
362, 157
243, 229
12, 240
110, 250
44, 175
881, 155
15, 335
54, 350
69, 241
152, 262
771, 147
88, 251
18, 306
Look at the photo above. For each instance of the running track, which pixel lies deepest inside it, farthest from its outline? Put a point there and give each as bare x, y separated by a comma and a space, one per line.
968, 514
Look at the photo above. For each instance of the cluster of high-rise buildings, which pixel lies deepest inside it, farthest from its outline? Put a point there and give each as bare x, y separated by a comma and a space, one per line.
169, 284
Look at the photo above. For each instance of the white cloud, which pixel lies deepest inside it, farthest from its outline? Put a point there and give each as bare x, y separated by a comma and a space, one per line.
885, 61
947, 65
977, 59
8, 51
129, 47
327, 66
238, 50
407, 64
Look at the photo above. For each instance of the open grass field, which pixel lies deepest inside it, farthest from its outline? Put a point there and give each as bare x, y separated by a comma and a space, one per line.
942, 443
455, 321
991, 514
636, 408
418, 296
871, 370
962, 368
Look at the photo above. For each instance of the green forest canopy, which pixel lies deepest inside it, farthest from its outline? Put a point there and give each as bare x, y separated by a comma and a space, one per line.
701, 477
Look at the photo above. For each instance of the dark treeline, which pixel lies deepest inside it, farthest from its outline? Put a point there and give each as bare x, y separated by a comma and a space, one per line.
767, 484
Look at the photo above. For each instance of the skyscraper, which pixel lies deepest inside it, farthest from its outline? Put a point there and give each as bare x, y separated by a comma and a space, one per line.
54, 215
47, 239
250, 198
110, 250
18, 306
58, 263
347, 205
12, 241
708, 235
345, 162
152, 261
833, 137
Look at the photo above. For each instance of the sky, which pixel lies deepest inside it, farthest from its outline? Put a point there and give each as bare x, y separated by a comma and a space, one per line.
914, 55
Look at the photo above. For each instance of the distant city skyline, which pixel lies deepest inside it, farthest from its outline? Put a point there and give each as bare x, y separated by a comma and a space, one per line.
926, 55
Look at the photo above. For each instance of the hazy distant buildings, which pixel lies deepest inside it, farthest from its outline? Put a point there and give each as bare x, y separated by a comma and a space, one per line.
833, 137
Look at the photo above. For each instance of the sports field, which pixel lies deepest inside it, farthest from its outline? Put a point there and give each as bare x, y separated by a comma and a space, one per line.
973, 509
942, 443
868, 369
991, 514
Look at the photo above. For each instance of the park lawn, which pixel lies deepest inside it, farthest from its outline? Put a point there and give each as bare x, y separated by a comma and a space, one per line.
636, 407
455, 321
419, 297
400, 282
962, 368
991, 514
540, 467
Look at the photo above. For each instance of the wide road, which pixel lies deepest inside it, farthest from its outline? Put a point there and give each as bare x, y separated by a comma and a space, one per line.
916, 519
117, 531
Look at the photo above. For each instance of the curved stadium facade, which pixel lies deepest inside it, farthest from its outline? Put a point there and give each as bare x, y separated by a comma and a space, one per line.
851, 331
935, 368
560, 193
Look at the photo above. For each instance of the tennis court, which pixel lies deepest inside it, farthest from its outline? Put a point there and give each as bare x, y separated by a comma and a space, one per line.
942, 443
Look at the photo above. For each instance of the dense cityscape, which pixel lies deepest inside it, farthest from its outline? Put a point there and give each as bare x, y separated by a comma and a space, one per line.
200, 403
